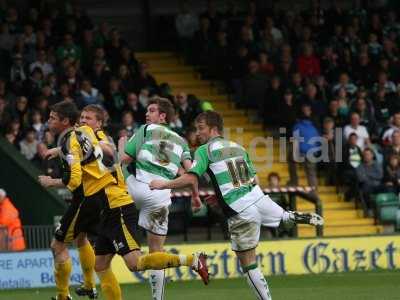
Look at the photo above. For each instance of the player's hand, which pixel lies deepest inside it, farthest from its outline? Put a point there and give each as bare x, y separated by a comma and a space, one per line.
122, 142
211, 201
45, 181
157, 185
52, 153
196, 203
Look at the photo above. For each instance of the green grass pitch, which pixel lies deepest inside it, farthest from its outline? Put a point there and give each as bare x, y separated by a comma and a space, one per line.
382, 285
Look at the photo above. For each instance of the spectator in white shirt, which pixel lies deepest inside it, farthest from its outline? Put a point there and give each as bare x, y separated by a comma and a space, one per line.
387, 135
42, 63
361, 131
29, 144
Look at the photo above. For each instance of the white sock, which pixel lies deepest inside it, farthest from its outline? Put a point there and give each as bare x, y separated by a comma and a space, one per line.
286, 217
257, 282
157, 283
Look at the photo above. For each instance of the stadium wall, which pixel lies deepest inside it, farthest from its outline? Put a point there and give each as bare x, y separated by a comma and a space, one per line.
36, 205
307, 256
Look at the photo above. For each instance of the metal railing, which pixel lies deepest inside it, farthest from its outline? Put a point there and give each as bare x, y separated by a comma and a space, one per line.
3, 238
38, 236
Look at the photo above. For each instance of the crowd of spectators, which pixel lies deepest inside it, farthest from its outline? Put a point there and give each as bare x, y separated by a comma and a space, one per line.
314, 71
53, 52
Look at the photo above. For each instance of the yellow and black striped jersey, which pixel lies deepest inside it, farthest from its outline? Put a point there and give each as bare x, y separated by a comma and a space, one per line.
84, 160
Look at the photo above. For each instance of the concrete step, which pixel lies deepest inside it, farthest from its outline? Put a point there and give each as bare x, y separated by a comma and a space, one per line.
342, 230
302, 205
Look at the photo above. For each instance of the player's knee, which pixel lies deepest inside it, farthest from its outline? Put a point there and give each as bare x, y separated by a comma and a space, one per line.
81, 240
59, 250
132, 266
101, 266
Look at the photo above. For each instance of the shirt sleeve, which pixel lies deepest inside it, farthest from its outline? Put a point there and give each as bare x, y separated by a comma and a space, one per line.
201, 162
132, 144
252, 170
186, 153
73, 178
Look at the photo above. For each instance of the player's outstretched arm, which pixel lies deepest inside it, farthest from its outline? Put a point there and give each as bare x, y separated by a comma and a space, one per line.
47, 181
53, 153
186, 180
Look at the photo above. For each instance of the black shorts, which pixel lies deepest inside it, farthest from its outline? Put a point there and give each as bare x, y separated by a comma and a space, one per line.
117, 231
82, 215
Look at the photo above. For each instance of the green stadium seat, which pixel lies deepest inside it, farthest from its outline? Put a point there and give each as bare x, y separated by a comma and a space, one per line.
398, 220
385, 198
388, 214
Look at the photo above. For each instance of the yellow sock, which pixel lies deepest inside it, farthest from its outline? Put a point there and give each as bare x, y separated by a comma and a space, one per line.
109, 285
162, 260
87, 258
62, 272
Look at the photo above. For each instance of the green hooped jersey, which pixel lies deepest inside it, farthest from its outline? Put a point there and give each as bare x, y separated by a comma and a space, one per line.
231, 171
158, 153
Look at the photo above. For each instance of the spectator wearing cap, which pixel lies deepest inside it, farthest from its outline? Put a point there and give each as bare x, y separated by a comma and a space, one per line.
305, 147
363, 140
9, 218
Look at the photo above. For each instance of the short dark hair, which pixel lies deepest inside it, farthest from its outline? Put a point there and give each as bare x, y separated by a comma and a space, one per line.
97, 110
164, 106
212, 119
66, 110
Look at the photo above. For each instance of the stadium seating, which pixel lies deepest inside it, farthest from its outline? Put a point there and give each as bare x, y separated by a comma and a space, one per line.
342, 218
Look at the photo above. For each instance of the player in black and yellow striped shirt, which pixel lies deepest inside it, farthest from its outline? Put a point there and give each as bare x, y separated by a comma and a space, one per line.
116, 232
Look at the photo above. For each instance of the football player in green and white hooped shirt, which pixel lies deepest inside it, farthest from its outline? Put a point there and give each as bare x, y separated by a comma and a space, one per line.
155, 152
240, 197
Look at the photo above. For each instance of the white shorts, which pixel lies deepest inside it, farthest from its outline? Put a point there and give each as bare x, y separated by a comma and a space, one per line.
152, 205
244, 227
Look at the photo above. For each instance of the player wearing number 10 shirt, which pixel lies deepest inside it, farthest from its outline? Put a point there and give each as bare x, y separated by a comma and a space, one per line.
239, 195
